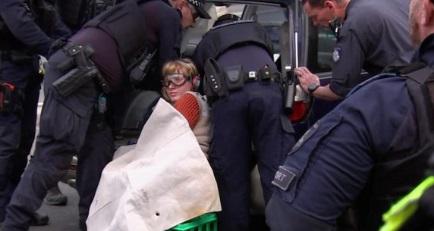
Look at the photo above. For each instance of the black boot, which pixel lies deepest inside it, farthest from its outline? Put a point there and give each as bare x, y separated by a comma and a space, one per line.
55, 197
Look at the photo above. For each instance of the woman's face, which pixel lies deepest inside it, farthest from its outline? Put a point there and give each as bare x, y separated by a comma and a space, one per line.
175, 85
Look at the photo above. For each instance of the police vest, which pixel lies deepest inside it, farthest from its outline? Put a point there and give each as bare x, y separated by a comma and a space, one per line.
75, 13
44, 13
412, 167
125, 24
221, 38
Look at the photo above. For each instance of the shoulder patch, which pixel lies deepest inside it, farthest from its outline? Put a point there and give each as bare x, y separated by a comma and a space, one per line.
283, 178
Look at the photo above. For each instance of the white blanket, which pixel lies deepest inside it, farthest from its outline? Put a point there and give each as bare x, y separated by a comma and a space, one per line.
162, 181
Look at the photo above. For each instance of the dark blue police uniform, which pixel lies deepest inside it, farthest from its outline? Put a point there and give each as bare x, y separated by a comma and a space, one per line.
71, 124
75, 13
22, 38
370, 39
251, 115
367, 150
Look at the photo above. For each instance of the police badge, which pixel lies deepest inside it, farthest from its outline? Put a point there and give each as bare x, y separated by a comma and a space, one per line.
336, 54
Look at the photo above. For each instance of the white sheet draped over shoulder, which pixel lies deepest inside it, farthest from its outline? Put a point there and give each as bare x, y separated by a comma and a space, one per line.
162, 181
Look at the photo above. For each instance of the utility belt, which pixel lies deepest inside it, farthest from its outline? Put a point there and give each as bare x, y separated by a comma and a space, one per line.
219, 83
10, 98
79, 69
19, 57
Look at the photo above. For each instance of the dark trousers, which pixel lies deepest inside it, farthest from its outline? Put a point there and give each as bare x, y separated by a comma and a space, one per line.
97, 151
251, 115
66, 128
17, 131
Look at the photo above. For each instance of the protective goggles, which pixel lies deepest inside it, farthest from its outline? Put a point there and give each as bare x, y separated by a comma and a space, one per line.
175, 79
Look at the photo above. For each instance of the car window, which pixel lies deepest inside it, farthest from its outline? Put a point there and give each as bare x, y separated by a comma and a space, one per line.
320, 50
236, 9
271, 17
193, 35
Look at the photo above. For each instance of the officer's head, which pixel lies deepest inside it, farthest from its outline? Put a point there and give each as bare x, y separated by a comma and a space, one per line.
323, 12
421, 20
190, 10
179, 76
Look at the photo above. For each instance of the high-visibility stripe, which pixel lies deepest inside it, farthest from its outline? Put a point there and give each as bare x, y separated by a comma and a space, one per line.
400, 212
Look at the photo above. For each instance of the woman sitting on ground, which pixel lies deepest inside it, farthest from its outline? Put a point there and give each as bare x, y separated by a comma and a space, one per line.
180, 82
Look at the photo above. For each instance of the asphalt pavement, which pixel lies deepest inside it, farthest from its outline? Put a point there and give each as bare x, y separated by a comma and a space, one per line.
62, 218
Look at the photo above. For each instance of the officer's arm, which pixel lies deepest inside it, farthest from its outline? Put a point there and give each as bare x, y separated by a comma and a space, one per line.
60, 29
333, 161
170, 32
199, 56
307, 78
348, 57
20, 21
325, 93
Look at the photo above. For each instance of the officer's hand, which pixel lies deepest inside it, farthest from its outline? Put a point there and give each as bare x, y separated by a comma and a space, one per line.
305, 77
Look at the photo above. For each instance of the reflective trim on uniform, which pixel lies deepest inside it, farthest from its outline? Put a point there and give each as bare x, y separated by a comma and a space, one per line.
400, 212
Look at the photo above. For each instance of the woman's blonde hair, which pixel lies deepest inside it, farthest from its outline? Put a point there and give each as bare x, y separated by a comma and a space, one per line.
180, 66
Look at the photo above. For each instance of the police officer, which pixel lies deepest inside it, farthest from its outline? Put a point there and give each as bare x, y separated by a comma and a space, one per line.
81, 77
27, 29
370, 35
370, 150
247, 109
74, 13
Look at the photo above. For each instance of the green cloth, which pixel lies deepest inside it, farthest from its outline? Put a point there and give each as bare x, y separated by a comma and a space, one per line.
400, 212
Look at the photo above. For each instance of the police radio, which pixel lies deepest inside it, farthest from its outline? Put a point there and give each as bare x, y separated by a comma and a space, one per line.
289, 79
140, 68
